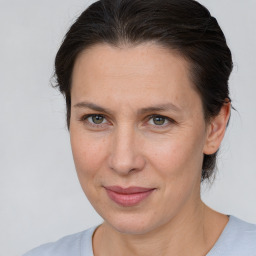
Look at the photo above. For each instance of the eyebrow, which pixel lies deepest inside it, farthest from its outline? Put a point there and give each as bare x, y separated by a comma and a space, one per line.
92, 106
159, 108
155, 108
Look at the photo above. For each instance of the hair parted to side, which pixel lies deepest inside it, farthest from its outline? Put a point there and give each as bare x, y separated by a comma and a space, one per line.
184, 26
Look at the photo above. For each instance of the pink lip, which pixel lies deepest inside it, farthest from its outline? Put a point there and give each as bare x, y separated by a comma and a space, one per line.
128, 196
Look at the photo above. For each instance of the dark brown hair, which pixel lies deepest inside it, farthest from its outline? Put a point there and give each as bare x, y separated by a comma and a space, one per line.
181, 25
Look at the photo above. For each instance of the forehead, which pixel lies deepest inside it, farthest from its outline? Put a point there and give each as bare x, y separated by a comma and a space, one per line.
107, 60
147, 71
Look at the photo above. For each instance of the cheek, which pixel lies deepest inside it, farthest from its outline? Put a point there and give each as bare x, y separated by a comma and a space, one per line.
177, 160
174, 154
88, 152
89, 157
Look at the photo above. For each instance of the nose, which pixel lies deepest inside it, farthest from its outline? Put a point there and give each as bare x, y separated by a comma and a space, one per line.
125, 153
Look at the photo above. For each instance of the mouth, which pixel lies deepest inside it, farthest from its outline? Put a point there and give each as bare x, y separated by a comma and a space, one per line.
128, 197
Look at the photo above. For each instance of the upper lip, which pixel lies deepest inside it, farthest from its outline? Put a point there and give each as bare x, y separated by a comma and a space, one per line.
129, 190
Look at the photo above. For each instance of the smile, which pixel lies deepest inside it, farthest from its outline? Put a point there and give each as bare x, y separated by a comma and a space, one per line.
128, 196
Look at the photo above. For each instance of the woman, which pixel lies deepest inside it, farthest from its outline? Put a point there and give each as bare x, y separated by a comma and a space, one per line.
146, 88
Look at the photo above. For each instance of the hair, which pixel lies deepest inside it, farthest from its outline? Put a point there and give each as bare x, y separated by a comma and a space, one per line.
184, 26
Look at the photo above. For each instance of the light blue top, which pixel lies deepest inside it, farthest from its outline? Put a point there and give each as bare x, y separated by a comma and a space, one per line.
237, 239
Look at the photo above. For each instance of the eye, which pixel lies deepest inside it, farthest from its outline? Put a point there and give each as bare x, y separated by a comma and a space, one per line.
94, 119
159, 120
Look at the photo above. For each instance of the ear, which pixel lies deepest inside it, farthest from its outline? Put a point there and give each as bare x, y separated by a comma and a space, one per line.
216, 130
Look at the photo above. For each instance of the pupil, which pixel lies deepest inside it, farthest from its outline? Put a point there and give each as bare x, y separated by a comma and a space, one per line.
159, 120
97, 119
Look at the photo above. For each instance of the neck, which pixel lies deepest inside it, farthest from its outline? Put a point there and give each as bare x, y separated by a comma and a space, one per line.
187, 234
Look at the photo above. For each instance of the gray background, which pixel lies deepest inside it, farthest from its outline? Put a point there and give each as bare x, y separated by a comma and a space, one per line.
40, 196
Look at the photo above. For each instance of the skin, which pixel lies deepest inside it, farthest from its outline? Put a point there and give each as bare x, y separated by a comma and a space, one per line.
129, 149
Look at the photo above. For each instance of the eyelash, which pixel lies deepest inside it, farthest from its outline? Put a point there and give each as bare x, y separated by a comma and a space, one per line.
86, 117
169, 120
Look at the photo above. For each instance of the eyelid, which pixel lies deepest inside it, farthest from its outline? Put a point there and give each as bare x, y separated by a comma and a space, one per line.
85, 118
170, 120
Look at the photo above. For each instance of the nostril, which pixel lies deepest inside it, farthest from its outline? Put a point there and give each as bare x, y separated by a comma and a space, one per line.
128, 165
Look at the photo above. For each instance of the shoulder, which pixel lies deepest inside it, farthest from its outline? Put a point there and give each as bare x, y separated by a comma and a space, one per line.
237, 239
75, 245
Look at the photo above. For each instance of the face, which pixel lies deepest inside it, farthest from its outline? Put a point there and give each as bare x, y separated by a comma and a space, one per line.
138, 135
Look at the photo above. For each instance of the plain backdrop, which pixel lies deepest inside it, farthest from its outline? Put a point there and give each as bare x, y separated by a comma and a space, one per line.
40, 196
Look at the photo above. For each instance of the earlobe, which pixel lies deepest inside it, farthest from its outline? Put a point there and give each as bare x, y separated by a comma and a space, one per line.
216, 130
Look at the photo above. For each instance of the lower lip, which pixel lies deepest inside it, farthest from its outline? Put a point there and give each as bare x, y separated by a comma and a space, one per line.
128, 199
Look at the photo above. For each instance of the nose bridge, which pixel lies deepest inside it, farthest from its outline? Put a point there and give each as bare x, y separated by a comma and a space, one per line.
125, 155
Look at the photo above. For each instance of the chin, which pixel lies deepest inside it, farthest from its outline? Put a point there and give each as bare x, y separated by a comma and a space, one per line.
131, 224
131, 229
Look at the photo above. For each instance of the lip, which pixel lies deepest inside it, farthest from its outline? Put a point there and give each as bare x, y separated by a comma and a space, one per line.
128, 197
